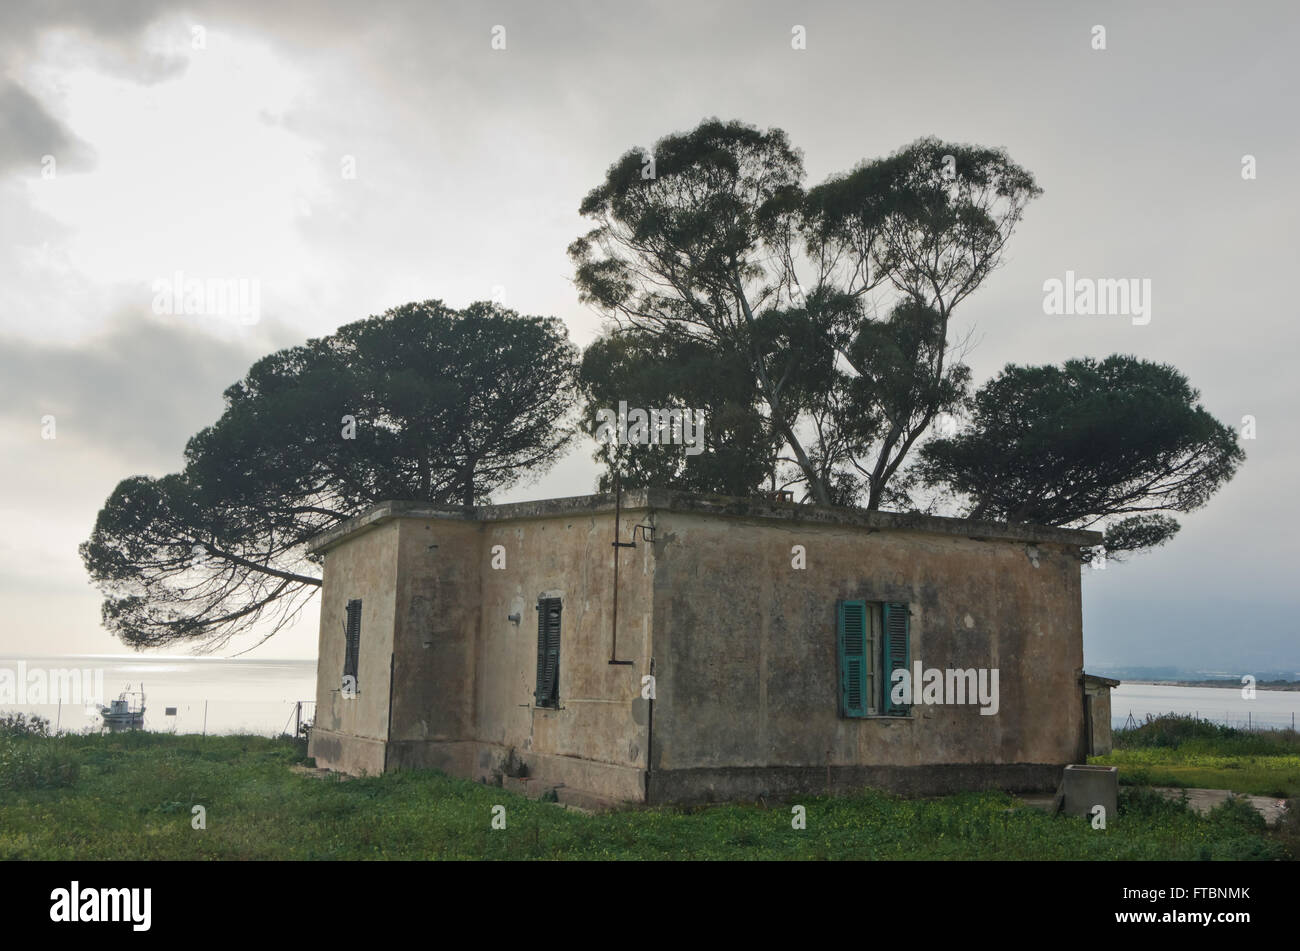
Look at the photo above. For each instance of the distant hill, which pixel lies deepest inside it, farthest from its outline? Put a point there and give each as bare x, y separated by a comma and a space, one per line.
1198, 676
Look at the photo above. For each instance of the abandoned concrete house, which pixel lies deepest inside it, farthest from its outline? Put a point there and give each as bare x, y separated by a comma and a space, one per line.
722, 649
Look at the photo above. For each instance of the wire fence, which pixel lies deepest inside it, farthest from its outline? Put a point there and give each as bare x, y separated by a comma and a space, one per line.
303, 716
1248, 721
206, 717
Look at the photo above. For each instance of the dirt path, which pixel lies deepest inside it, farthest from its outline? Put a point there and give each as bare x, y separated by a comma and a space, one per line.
1203, 800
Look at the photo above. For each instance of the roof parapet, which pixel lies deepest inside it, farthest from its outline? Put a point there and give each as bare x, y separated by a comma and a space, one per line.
672, 500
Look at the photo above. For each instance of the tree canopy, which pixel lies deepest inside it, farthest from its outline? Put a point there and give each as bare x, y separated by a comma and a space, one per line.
837, 299
649, 370
810, 325
422, 402
815, 322
1117, 443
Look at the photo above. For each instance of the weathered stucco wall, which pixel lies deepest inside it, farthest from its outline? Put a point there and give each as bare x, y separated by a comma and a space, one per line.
465, 675
366, 568
1097, 698
437, 613
748, 674
595, 740
743, 646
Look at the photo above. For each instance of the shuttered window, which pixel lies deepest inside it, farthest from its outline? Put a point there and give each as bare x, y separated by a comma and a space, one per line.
853, 658
873, 643
896, 652
548, 652
352, 640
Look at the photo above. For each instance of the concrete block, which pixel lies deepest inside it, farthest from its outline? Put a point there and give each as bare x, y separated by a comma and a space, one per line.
1089, 786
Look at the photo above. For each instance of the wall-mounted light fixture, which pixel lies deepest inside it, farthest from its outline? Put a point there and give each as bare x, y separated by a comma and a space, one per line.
514, 618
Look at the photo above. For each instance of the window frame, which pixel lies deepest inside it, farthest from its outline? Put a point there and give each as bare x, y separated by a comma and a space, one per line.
876, 661
352, 642
546, 692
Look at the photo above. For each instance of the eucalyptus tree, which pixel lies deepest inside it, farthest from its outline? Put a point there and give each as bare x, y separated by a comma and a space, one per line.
838, 299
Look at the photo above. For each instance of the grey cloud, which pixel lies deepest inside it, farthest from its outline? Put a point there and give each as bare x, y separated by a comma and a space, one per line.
22, 19
28, 132
137, 391
112, 27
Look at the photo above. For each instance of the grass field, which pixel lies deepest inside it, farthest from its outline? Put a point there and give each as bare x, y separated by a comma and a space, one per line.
131, 796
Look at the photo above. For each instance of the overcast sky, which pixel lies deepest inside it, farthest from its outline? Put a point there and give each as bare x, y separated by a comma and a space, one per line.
227, 160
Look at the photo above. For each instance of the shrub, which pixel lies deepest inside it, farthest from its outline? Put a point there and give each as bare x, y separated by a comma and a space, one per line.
16, 725
1174, 730
1238, 812
40, 765
1150, 804
1287, 831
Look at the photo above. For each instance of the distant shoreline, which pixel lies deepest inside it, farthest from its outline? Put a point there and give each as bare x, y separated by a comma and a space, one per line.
1221, 684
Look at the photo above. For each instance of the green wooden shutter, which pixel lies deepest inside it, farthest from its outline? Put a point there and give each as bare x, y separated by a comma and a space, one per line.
548, 652
853, 658
553, 650
896, 653
540, 691
352, 639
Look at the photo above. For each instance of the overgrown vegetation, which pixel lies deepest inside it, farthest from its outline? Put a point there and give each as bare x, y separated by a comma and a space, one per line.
18, 724
1177, 750
1183, 730
132, 796
30, 758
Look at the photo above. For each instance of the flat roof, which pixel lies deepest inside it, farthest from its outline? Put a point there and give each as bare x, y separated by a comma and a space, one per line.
1096, 680
721, 506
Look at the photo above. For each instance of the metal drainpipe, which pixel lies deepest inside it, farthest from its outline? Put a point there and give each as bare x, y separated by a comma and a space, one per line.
650, 736
613, 634
613, 624
388, 738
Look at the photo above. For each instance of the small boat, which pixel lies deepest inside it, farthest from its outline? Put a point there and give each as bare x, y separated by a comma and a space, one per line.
126, 710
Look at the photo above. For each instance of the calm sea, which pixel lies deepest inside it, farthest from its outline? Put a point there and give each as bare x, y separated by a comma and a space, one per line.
259, 696
234, 695
1269, 708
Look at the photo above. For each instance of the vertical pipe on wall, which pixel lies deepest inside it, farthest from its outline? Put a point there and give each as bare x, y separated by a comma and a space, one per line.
650, 734
388, 737
613, 624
